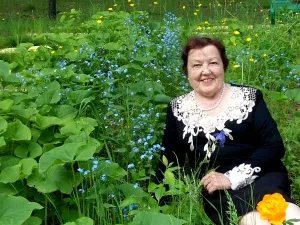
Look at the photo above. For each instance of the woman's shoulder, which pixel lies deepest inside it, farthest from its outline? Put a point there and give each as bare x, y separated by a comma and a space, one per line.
182, 98
247, 91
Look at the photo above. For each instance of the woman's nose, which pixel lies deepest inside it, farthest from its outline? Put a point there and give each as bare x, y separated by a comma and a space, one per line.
205, 70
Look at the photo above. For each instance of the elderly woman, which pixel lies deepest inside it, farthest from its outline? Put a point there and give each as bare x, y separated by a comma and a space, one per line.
230, 127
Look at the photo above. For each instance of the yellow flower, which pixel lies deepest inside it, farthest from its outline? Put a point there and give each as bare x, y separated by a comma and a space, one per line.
206, 22
131, 5
3, 19
256, 35
199, 28
195, 13
183, 7
219, 4
248, 39
265, 55
75, 50
273, 208
115, 5
236, 32
234, 44
99, 21
236, 66
251, 60
52, 52
110, 9
261, 10
60, 46
199, 5
129, 0
208, 28
155, 3
100, 17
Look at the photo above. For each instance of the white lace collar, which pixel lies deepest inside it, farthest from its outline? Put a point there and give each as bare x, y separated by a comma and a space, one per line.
185, 109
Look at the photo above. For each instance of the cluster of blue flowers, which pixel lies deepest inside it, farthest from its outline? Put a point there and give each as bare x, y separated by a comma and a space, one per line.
144, 137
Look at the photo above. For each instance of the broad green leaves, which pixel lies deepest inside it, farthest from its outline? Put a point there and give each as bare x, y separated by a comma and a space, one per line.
82, 221
69, 152
17, 131
154, 218
15, 210
56, 178
293, 94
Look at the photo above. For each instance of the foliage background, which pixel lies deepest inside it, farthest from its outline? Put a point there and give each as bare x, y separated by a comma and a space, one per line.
83, 105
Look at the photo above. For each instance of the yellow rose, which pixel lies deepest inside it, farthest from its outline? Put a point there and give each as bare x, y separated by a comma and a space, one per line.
273, 208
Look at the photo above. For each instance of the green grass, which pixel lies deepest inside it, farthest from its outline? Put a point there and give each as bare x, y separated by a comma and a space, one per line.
39, 8
20, 20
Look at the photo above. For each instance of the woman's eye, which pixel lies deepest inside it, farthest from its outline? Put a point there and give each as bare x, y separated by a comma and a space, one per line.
197, 65
214, 63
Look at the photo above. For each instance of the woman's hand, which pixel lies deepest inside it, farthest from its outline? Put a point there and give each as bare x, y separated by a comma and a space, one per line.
215, 181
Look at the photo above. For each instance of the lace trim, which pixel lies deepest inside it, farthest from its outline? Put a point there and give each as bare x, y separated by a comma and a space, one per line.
196, 120
242, 175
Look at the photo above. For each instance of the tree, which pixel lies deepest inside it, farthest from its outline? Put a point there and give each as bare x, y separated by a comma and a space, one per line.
52, 9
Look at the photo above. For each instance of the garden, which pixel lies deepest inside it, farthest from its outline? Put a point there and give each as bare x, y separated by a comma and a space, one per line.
83, 104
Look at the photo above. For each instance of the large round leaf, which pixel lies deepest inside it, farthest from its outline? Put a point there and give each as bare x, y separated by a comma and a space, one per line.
81, 221
15, 210
17, 131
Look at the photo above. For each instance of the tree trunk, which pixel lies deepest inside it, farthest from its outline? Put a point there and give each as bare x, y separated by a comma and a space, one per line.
52, 9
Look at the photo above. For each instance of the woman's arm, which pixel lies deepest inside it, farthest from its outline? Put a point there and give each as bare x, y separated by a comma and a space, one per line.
268, 143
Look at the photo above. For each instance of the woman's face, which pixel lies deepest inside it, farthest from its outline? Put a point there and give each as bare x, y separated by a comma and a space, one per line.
205, 70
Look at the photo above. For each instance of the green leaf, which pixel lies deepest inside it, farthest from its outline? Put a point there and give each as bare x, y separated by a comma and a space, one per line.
4, 69
64, 111
297, 114
165, 161
19, 110
31, 150
154, 218
10, 174
72, 56
76, 97
71, 128
113, 46
33, 221
2, 142
3, 125
85, 153
112, 170
17, 131
56, 178
169, 176
154, 25
5, 74
129, 190
7, 161
54, 85
65, 153
161, 98
15, 210
6, 105
293, 94
7, 189
81, 221
27, 165
69, 152
47, 121
48, 97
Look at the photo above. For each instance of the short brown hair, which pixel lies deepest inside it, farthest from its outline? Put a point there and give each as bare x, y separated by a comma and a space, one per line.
200, 42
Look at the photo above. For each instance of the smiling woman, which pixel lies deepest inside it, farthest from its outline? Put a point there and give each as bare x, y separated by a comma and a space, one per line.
230, 127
